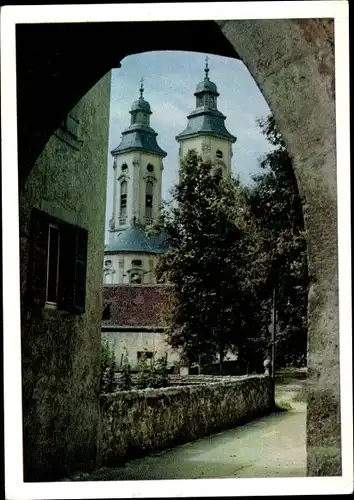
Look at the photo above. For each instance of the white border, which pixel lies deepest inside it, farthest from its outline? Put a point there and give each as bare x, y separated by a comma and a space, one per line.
15, 488
172, 11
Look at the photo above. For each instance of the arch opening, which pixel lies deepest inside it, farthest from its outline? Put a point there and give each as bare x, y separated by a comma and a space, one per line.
310, 141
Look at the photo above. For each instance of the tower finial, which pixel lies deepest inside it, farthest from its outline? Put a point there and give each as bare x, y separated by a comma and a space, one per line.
141, 87
206, 68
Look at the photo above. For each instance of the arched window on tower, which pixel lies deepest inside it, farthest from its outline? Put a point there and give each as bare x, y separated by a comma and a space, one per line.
148, 200
123, 199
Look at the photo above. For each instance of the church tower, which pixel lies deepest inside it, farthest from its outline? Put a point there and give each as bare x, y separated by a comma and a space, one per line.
138, 170
131, 255
206, 131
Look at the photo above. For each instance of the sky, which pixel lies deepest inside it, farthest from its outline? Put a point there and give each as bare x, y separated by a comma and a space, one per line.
170, 80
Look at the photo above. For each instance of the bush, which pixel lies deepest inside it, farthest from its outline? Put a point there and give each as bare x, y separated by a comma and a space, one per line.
108, 372
154, 374
125, 383
160, 373
143, 378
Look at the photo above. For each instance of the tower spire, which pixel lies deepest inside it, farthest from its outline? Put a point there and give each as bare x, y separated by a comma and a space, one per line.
141, 90
206, 68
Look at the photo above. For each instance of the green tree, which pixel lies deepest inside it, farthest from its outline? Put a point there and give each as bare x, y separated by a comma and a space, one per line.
276, 205
207, 263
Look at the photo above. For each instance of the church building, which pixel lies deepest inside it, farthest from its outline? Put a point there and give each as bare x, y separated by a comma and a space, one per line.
134, 298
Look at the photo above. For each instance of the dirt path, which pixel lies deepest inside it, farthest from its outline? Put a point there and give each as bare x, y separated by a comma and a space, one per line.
271, 446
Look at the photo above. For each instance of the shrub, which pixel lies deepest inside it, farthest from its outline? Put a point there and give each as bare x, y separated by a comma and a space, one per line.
108, 372
154, 374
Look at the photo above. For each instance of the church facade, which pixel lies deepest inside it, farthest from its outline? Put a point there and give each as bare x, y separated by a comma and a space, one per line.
132, 254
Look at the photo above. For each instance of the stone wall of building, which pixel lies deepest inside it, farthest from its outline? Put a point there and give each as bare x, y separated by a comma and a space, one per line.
61, 350
138, 422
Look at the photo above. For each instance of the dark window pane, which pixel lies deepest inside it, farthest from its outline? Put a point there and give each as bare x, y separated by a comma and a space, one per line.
123, 200
53, 260
148, 200
135, 278
67, 268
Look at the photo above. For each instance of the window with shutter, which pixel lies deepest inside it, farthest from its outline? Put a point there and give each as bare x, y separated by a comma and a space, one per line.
58, 262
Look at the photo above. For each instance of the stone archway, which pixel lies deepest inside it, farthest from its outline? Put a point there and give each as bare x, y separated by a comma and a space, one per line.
292, 61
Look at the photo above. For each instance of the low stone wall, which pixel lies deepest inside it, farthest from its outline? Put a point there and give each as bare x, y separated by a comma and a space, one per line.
203, 379
134, 423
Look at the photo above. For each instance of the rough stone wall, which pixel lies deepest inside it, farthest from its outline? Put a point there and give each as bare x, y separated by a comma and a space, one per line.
60, 351
138, 422
293, 63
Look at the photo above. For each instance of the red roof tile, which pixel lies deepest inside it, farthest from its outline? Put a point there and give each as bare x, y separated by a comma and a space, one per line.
135, 305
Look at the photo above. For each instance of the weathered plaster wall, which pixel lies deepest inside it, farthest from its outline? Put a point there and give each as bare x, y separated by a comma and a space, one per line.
60, 351
127, 344
137, 422
293, 63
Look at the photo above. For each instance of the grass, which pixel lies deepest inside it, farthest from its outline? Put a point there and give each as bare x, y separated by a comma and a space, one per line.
324, 461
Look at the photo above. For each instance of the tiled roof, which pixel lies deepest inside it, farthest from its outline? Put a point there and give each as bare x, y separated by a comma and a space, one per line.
206, 120
136, 305
134, 239
139, 136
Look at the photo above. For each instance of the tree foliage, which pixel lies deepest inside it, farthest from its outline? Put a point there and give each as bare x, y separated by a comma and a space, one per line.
276, 205
208, 263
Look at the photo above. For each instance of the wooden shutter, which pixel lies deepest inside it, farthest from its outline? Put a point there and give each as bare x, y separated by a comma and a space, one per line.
67, 267
38, 258
80, 270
